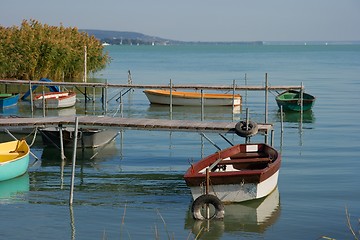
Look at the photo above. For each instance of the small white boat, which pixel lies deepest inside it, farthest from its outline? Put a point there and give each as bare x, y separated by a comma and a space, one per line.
192, 98
55, 100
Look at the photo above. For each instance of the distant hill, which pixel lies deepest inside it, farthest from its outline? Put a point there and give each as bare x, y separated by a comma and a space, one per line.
134, 38
118, 37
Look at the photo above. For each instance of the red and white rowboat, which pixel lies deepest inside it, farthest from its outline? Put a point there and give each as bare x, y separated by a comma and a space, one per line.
236, 174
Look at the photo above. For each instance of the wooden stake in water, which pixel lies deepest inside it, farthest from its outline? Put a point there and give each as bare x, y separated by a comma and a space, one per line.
61, 143
171, 103
266, 97
74, 162
233, 101
202, 105
31, 99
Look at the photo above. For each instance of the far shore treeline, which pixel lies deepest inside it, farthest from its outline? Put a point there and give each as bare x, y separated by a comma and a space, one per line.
34, 50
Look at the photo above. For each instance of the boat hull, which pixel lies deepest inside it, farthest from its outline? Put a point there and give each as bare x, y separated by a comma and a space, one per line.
55, 100
240, 173
8, 100
239, 192
192, 98
290, 101
14, 159
87, 138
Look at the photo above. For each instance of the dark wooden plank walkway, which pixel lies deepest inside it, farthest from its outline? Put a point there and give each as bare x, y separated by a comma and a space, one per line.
129, 123
152, 86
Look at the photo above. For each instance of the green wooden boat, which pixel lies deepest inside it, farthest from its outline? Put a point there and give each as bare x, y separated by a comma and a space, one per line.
290, 100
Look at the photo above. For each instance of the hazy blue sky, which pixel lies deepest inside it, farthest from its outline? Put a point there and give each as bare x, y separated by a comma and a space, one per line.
199, 20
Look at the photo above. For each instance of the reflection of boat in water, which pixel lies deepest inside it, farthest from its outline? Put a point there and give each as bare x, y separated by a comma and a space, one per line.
51, 156
13, 189
193, 112
291, 116
253, 216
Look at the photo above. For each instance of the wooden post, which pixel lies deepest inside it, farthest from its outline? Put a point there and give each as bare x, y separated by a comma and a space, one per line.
282, 126
74, 162
202, 104
207, 192
246, 94
266, 97
233, 101
85, 66
61, 143
43, 101
94, 93
129, 78
171, 107
301, 105
247, 139
31, 99
121, 105
106, 96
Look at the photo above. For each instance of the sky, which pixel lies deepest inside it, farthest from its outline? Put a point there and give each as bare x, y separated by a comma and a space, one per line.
198, 20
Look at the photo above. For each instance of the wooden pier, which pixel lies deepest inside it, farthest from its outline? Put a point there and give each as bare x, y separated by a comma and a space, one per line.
146, 86
129, 123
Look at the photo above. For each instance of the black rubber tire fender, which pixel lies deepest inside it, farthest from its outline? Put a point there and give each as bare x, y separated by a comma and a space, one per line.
246, 131
211, 200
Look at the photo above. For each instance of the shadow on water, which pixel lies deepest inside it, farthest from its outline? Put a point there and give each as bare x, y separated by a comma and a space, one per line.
249, 217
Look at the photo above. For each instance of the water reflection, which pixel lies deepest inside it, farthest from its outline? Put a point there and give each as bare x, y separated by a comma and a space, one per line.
13, 110
252, 216
13, 190
193, 112
52, 156
291, 116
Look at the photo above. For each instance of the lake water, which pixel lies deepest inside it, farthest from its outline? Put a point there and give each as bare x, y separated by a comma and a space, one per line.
134, 187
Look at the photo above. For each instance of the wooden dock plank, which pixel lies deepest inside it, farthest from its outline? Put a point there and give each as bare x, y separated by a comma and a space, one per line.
128, 123
152, 86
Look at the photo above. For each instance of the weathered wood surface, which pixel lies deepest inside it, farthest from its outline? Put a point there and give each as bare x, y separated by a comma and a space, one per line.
142, 86
128, 123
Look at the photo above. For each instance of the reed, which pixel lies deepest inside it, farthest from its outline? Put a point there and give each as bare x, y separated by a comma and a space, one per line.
355, 234
36, 50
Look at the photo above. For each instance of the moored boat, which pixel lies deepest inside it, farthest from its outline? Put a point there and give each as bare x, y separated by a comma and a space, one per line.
14, 159
291, 100
8, 99
55, 100
240, 173
87, 137
192, 98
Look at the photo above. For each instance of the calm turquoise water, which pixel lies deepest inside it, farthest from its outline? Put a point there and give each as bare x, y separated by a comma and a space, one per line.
133, 189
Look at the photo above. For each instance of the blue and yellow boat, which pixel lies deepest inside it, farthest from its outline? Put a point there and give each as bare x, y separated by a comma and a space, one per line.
14, 159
